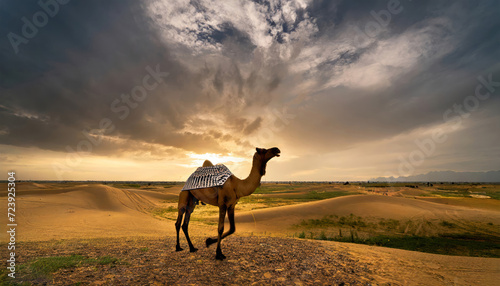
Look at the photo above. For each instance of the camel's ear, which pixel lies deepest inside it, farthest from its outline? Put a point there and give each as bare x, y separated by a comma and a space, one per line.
259, 150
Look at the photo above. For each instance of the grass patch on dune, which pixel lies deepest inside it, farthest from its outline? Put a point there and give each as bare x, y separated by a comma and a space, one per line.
291, 198
275, 189
47, 265
164, 211
459, 244
296, 189
375, 185
494, 195
41, 269
202, 213
493, 191
333, 220
130, 185
467, 190
452, 193
440, 237
171, 200
452, 244
388, 184
450, 190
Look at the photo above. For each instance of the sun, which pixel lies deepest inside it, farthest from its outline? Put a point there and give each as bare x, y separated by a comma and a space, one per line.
198, 159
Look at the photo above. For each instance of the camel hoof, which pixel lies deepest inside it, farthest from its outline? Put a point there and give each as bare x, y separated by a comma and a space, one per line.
210, 241
194, 249
178, 248
220, 256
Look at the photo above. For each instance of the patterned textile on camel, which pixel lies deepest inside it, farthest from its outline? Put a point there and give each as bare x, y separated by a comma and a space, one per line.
207, 177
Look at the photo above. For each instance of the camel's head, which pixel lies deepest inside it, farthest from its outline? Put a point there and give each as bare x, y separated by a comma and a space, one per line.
265, 155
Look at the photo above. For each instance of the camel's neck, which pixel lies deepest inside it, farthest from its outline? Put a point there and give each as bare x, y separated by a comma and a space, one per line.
247, 186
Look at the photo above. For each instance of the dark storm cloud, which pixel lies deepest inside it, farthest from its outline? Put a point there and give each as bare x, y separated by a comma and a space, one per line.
416, 98
86, 58
77, 65
226, 67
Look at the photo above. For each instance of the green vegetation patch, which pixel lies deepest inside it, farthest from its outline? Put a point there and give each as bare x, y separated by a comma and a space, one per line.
132, 185
41, 269
202, 214
315, 196
291, 198
453, 244
454, 193
464, 244
276, 188
162, 212
389, 224
333, 220
493, 191
126, 185
47, 265
388, 184
440, 237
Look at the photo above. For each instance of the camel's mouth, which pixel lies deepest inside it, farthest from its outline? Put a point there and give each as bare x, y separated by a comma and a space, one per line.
276, 152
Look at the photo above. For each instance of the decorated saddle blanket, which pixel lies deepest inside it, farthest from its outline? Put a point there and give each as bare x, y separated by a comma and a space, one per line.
207, 177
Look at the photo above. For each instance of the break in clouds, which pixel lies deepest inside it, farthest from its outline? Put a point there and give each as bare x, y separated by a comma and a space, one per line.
342, 87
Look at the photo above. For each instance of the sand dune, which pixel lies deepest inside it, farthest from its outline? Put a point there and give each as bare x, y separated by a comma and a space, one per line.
65, 211
85, 211
280, 218
93, 210
404, 267
42, 189
155, 196
466, 202
93, 197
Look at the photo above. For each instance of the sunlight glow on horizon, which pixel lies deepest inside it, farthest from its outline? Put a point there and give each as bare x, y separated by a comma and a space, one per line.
215, 158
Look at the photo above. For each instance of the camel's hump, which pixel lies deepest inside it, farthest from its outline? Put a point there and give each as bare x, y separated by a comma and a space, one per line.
207, 177
207, 163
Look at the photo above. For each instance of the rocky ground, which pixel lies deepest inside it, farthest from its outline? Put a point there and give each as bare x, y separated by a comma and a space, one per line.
153, 261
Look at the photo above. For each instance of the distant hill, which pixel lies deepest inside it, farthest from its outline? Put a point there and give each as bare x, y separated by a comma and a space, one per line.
446, 176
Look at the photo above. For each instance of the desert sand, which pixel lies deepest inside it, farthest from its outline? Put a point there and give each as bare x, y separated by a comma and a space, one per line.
82, 211
375, 206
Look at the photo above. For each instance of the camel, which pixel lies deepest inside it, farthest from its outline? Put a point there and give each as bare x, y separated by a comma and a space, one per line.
225, 197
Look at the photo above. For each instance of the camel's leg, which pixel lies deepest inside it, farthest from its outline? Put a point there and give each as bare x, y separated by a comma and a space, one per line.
232, 227
182, 206
185, 225
178, 226
222, 216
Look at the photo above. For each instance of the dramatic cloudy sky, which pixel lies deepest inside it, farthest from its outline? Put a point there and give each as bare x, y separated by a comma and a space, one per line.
346, 89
